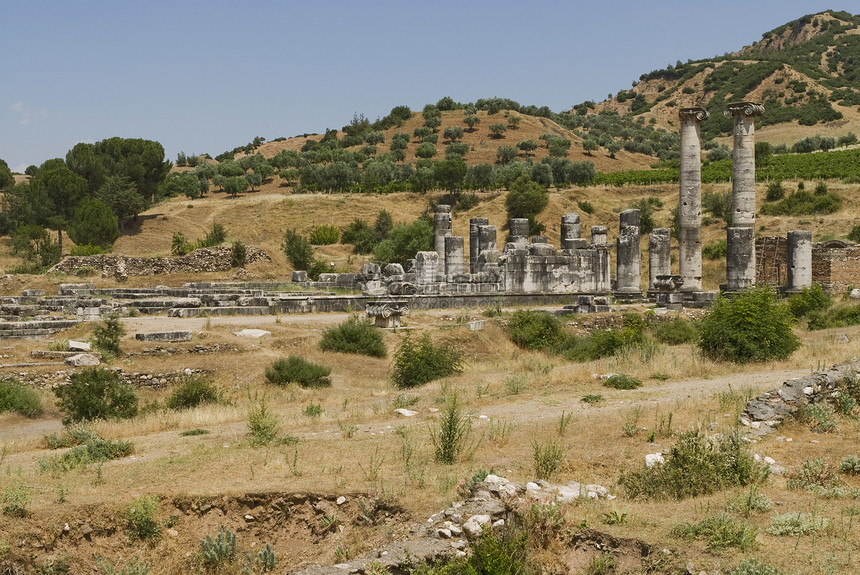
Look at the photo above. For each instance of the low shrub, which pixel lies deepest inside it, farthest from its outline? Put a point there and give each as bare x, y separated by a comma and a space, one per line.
15, 500
422, 361
696, 465
548, 457
674, 332
295, 369
107, 335
813, 473
87, 250
180, 246
720, 531
751, 502
238, 254
142, 518
850, 465
795, 524
94, 450
19, 398
854, 234
715, 251
809, 300
834, 317
96, 394
751, 326
193, 391
451, 438
622, 381
214, 237
263, 425
804, 203
355, 335
538, 330
775, 191
325, 235
755, 567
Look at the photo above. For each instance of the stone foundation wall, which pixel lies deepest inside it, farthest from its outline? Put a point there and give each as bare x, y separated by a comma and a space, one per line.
215, 259
835, 264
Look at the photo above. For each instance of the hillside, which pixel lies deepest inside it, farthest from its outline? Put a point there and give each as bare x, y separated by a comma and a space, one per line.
805, 72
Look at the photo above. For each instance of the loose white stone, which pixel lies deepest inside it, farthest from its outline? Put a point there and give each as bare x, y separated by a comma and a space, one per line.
405, 412
769, 460
653, 459
256, 333
341, 500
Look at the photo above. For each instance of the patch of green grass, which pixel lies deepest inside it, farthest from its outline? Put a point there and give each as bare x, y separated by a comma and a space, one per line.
622, 381
794, 524
720, 531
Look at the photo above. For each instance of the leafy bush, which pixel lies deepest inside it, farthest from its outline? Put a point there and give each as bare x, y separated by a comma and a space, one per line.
810, 299
325, 235
532, 329
193, 391
96, 394
94, 223
715, 251
300, 253
804, 203
696, 465
87, 250
840, 317
721, 531
854, 234
622, 381
15, 500
355, 335
812, 473
214, 237
180, 245
142, 518
751, 326
359, 233
775, 191
548, 457
404, 241
95, 449
585, 206
422, 361
107, 334
674, 332
19, 398
221, 549
238, 254
295, 369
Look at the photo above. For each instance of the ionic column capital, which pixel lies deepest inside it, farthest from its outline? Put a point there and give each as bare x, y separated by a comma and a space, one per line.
745, 108
697, 114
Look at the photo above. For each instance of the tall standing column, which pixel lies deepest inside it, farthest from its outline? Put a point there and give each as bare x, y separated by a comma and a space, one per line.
740, 236
441, 228
475, 242
659, 256
799, 260
690, 201
628, 256
519, 228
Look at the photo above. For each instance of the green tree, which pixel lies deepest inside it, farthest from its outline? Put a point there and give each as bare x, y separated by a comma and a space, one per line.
480, 176
527, 146
426, 150
449, 174
235, 185
230, 169
180, 184
253, 180
453, 133
526, 199
590, 145
404, 242
374, 138
514, 121
558, 147
94, 223
63, 190
506, 154
497, 131
6, 178
471, 121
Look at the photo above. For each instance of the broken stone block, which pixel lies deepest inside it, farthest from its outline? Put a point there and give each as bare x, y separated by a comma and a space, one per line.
78, 346
170, 336
82, 360
252, 333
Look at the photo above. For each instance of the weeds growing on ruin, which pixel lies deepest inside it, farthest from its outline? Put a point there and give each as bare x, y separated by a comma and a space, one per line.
422, 361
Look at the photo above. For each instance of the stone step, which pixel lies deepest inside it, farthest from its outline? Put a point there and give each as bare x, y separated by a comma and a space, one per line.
219, 311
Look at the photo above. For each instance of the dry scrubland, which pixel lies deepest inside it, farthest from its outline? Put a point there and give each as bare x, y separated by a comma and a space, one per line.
358, 446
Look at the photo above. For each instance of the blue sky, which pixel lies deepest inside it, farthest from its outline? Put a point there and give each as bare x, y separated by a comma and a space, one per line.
210, 76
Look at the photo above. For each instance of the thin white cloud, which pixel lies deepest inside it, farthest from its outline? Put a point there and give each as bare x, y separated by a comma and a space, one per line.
26, 115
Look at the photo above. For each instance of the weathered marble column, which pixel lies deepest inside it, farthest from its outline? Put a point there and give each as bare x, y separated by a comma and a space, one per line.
743, 197
690, 201
441, 228
599, 235
659, 255
799, 260
628, 277
455, 255
426, 267
487, 238
475, 242
519, 228
571, 229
